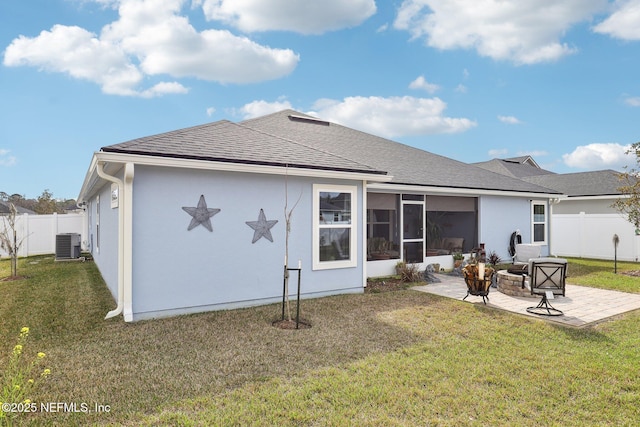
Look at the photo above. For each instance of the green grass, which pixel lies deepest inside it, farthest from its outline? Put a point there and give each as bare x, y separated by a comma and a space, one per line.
383, 359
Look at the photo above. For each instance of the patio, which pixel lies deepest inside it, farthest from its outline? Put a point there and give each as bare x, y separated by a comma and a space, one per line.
582, 306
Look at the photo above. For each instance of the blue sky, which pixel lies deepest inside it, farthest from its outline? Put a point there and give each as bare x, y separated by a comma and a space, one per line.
468, 79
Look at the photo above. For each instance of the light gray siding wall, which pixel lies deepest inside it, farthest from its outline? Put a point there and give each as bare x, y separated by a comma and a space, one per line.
596, 206
501, 216
178, 271
104, 247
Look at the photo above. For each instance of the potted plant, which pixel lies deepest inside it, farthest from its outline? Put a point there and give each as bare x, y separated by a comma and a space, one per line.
457, 259
379, 248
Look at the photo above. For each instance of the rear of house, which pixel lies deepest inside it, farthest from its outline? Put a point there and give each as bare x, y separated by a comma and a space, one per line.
196, 219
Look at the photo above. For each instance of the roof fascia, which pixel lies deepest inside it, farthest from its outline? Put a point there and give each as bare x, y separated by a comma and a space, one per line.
137, 159
603, 197
452, 191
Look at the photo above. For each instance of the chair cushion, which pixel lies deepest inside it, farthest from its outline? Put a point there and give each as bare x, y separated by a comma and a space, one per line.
544, 278
525, 252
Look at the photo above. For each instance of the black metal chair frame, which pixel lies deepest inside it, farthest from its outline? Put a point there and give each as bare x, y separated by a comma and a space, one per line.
549, 269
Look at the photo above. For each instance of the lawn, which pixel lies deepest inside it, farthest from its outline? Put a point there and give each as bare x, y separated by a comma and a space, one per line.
377, 359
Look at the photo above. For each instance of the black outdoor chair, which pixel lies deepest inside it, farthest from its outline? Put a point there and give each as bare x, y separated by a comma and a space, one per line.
547, 278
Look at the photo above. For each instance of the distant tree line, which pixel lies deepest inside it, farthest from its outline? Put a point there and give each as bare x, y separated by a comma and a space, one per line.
44, 204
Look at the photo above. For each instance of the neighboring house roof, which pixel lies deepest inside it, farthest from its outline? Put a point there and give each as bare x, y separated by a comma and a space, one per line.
225, 141
525, 160
516, 167
407, 165
4, 209
595, 183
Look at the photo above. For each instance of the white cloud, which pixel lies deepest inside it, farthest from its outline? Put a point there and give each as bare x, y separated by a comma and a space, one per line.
6, 159
461, 88
632, 101
510, 120
210, 111
599, 156
300, 16
393, 116
150, 38
421, 83
624, 22
498, 152
261, 108
533, 153
524, 32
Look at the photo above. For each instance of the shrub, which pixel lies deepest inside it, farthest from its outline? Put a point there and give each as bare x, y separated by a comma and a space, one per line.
18, 378
494, 258
408, 272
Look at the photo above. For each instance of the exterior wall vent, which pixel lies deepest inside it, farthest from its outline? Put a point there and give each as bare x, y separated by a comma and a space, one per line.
304, 119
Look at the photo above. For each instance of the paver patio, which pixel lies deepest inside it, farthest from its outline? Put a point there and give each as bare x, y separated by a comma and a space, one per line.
582, 306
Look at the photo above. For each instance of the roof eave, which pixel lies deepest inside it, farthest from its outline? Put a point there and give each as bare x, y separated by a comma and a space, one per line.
462, 191
114, 157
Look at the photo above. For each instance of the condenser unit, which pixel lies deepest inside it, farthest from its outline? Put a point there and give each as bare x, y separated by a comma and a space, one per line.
68, 246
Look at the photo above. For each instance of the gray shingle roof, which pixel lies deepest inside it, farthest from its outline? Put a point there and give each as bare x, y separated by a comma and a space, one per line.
513, 167
226, 141
596, 183
6, 209
407, 165
298, 140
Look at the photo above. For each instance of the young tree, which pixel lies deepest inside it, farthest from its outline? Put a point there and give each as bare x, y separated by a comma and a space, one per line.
46, 204
9, 238
630, 205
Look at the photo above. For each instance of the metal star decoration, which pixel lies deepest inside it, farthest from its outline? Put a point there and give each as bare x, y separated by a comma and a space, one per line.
201, 215
262, 227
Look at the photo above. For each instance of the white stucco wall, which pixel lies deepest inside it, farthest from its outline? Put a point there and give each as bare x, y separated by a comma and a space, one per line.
104, 251
178, 271
501, 216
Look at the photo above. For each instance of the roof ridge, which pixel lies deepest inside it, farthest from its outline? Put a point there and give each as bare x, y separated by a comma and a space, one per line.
242, 124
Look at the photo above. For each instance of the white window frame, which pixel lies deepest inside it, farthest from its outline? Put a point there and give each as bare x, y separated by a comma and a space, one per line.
98, 223
543, 203
317, 225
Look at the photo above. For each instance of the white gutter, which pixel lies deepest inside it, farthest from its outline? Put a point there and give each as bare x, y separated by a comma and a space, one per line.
237, 167
124, 239
422, 189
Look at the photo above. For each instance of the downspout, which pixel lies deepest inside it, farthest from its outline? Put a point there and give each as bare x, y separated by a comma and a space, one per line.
552, 202
124, 242
364, 228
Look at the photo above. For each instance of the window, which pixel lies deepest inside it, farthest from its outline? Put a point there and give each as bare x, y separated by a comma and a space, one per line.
98, 223
382, 226
539, 222
334, 232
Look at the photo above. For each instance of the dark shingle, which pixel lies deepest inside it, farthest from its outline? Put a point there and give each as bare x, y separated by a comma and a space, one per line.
407, 165
225, 141
595, 183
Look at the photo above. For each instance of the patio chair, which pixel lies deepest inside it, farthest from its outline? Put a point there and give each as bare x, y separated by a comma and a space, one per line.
547, 278
523, 253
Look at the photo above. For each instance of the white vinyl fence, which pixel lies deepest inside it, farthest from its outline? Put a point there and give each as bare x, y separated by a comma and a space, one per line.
41, 231
591, 236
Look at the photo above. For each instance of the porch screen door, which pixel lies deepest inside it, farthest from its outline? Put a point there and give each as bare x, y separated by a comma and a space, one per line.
413, 231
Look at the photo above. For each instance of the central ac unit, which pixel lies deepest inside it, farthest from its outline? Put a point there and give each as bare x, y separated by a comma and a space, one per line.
68, 246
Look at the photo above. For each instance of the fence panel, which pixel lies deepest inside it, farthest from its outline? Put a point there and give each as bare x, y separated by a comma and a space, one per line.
591, 236
39, 231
